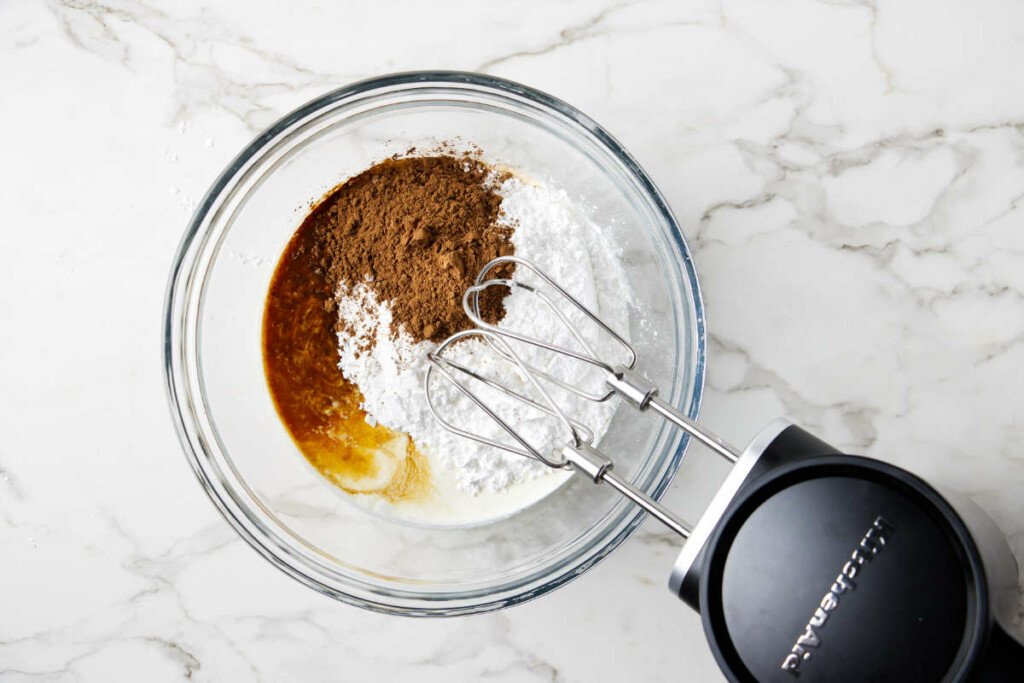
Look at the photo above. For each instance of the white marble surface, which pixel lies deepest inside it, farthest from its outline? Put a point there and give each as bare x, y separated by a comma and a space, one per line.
850, 176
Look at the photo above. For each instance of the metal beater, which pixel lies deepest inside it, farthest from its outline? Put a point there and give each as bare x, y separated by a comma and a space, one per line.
621, 380
935, 579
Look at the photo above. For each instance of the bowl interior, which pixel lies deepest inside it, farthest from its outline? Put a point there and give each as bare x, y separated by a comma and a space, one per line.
243, 453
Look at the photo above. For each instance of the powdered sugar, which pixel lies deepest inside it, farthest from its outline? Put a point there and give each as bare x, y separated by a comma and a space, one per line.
388, 366
382, 361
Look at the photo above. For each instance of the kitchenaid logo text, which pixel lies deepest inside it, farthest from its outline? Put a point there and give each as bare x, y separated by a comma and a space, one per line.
873, 543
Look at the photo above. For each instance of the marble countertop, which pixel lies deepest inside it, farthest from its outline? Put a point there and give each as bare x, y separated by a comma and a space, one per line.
850, 176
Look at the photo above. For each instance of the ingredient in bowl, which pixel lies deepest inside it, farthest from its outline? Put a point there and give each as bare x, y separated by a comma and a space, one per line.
371, 280
388, 364
418, 230
317, 405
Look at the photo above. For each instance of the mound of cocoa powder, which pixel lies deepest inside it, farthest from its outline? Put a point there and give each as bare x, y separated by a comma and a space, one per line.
419, 230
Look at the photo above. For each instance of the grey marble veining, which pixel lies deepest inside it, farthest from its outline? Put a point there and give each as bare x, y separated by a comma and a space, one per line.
850, 176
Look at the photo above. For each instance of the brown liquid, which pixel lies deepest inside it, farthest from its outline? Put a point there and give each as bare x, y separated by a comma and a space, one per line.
318, 407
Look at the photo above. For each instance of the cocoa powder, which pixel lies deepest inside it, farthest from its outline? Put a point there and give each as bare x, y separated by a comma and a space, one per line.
418, 230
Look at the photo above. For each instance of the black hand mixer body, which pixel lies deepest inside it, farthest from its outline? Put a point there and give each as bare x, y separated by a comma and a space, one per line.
812, 565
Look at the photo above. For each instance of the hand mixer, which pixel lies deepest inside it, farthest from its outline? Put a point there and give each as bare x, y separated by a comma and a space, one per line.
808, 563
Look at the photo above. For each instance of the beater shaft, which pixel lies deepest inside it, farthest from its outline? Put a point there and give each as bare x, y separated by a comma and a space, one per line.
591, 462
712, 441
647, 503
635, 390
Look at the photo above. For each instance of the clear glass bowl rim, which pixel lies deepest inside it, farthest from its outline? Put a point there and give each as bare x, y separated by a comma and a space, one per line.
180, 410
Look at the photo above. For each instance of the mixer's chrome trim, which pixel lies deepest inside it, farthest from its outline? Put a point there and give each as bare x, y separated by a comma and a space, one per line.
714, 511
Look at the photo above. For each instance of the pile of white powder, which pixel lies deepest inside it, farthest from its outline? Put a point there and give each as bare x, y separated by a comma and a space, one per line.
389, 367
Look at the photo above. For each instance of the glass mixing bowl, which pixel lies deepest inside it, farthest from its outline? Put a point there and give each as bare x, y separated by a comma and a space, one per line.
227, 424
